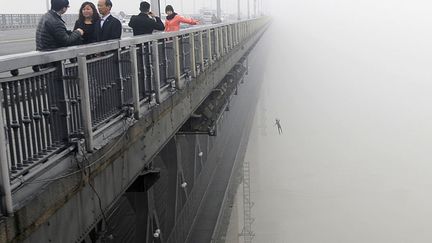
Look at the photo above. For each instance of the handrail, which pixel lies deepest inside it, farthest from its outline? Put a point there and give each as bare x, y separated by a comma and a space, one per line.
74, 91
26, 59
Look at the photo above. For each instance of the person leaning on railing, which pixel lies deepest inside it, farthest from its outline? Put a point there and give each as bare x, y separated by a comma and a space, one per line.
87, 20
109, 28
51, 32
173, 20
145, 22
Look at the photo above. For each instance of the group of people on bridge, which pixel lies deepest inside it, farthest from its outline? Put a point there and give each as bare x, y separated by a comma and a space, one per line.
94, 25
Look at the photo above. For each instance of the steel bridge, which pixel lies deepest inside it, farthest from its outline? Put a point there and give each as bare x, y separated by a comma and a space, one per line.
122, 141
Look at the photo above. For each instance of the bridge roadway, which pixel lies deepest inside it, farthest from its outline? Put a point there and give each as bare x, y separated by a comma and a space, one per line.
120, 150
22, 40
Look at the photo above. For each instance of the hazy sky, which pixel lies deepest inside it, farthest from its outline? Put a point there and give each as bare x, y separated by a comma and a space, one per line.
128, 6
351, 82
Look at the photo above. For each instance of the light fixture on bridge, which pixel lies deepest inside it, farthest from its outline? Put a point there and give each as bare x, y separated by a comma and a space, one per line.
184, 185
173, 85
152, 98
200, 154
157, 233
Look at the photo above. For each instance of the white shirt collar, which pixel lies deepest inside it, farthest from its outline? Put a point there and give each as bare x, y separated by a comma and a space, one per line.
105, 17
102, 21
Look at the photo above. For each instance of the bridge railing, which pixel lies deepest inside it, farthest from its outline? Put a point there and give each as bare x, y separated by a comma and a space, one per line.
50, 100
28, 21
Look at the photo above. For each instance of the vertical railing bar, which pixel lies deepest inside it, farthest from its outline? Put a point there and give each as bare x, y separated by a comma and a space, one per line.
41, 118
201, 50
20, 128
134, 79
7, 96
121, 76
226, 39
192, 54
177, 69
46, 111
118, 88
231, 44
104, 90
71, 109
51, 100
156, 70
85, 101
27, 120
14, 124
145, 54
99, 87
222, 41
209, 47
106, 97
7, 207
109, 98
216, 41
29, 84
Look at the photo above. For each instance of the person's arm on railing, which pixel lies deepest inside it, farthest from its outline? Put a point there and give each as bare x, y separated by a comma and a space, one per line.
65, 38
157, 25
188, 21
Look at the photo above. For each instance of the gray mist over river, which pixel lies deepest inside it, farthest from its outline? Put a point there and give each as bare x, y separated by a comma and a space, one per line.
351, 83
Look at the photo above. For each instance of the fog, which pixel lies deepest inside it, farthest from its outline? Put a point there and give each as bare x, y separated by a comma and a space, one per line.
127, 6
351, 83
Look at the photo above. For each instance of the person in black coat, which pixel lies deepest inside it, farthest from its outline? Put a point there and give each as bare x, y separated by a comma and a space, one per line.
51, 32
145, 22
88, 21
109, 28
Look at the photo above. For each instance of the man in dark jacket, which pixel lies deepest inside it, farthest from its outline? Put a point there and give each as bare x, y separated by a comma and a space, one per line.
109, 27
145, 22
51, 32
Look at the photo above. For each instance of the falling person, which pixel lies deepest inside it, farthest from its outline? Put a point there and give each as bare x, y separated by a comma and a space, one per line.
279, 127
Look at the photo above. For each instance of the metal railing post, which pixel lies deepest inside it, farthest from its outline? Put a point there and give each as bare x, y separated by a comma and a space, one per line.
192, 54
235, 34
230, 33
201, 51
67, 99
226, 39
7, 207
121, 78
217, 47
134, 78
177, 70
85, 101
156, 70
209, 47
221, 41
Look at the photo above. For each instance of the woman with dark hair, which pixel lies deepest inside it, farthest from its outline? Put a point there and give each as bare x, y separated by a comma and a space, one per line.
88, 18
173, 20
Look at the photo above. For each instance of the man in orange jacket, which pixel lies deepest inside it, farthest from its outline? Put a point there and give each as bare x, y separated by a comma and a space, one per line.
174, 20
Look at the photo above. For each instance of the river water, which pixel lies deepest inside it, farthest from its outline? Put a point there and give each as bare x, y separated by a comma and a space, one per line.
351, 83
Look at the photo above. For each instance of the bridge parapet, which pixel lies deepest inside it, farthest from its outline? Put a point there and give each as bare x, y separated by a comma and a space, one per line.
54, 103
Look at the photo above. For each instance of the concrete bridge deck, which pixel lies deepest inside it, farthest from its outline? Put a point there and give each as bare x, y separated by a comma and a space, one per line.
94, 147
